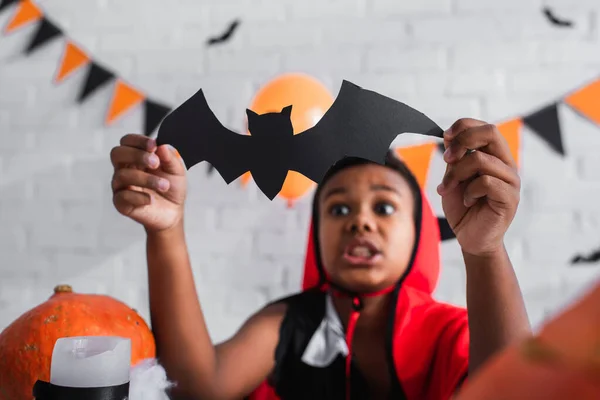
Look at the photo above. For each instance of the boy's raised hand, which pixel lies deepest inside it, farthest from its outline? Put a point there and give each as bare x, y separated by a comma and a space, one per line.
481, 188
149, 182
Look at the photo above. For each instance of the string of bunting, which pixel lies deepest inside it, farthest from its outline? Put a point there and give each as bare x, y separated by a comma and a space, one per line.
544, 121
124, 96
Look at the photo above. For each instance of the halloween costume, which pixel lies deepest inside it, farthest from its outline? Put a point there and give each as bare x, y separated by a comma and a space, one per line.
427, 341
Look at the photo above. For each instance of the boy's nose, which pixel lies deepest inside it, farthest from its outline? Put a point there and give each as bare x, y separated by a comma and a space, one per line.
361, 224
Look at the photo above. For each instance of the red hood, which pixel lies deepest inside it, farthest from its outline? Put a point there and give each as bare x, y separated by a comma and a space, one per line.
425, 271
429, 363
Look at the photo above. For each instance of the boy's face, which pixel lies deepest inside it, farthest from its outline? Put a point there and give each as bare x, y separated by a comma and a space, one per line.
366, 227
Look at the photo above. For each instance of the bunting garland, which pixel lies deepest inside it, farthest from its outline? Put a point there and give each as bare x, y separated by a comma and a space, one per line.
418, 159
446, 232
585, 101
546, 124
6, 3
125, 96
27, 12
97, 76
543, 122
154, 112
511, 131
73, 59
46, 31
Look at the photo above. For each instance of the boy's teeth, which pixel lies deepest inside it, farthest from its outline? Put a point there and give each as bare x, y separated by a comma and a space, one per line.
361, 251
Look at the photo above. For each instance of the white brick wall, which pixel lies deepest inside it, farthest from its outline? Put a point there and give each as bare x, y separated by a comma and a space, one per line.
480, 58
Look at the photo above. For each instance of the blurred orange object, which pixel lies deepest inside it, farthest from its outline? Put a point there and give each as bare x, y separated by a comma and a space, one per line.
310, 99
561, 362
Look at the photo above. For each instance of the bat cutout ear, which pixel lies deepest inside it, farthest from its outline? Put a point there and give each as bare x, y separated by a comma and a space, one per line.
252, 116
287, 111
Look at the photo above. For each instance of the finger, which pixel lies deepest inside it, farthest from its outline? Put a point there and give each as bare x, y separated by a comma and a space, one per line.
494, 189
121, 156
476, 164
126, 201
484, 138
123, 178
458, 126
170, 160
139, 142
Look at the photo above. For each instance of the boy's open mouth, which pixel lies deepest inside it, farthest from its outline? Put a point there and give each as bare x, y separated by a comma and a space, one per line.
361, 252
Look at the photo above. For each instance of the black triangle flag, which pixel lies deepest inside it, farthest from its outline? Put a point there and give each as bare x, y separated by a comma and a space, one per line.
446, 232
441, 147
154, 114
6, 3
97, 76
45, 32
545, 123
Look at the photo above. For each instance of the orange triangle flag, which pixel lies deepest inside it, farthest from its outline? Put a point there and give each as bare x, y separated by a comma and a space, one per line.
586, 101
124, 98
418, 159
511, 130
246, 178
73, 58
26, 13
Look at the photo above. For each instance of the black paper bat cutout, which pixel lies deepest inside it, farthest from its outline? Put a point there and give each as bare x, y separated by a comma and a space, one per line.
226, 35
554, 20
359, 123
593, 257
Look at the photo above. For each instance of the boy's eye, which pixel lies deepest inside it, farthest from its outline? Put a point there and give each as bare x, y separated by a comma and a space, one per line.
339, 209
384, 209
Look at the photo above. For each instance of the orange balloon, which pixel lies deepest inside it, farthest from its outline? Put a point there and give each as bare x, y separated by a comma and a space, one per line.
310, 99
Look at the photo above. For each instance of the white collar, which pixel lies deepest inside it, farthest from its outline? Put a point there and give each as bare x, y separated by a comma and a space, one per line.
328, 341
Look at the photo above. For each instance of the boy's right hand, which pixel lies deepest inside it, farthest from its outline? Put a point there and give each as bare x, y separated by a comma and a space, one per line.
149, 182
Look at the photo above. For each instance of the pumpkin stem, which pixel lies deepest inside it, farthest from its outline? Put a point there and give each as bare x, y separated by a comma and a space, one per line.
63, 289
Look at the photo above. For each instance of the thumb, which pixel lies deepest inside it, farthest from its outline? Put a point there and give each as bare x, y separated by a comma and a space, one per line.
170, 160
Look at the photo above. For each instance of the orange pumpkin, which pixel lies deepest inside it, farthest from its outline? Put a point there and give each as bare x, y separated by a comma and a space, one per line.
561, 362
26, 345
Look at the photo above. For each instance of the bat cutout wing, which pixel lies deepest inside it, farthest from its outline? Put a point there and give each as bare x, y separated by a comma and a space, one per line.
360, 123
198, 135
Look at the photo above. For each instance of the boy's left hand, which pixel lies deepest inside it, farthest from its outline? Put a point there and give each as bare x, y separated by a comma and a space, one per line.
480, 189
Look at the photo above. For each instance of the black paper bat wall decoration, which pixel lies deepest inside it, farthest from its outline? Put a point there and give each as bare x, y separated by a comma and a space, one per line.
225, 35
360, 123
555, 20
592, 257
